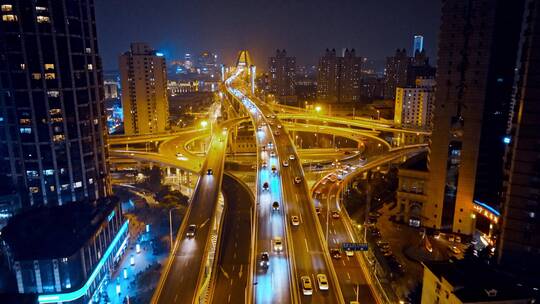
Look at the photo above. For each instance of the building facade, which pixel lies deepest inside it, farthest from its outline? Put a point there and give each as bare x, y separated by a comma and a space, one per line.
143, 77
476, 61
338, 78
281, 73
396, 72
519, 242
71, 257
52, 126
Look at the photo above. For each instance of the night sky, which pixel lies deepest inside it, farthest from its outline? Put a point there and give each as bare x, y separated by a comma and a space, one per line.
375, 28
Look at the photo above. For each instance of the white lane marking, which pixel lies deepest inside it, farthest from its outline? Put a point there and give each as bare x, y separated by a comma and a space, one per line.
175, 298
343, 261
204, 223
307, 248
348, 275
229, 299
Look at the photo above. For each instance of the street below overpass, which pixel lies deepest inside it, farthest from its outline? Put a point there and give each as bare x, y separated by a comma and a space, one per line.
236, 235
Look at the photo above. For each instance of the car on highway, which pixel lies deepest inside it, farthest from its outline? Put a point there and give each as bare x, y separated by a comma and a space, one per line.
259, 128
270, 145
265, 260
297, 180
272, 154
295, 220
349, 253
275, 206
291, 157
307, 287
274, 169
263, 148
279, 126
277, 133
335, 253
335, 214
285, 163
191, 229
278, 244
273, 116
318, 210
264, 164
210, 172
266, 186
454, 249
322, 281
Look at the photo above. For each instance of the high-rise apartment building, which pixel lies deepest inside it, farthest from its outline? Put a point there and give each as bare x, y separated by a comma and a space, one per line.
478, 42
519, 242
143, 77
396, 72
52, 122
413, 107
338, 78
207, 63
281, 73
418, 44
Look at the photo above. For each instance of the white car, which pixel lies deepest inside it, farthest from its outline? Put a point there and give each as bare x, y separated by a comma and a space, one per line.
322, 281
279, 126
297, 180
307, 288
295, 220
285, 163
349, 253
278, 244
291, 157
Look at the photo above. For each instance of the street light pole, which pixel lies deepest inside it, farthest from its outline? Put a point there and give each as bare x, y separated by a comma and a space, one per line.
170, 225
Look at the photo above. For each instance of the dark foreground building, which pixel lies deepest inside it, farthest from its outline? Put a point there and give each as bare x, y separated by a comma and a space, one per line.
52, 122
70, 255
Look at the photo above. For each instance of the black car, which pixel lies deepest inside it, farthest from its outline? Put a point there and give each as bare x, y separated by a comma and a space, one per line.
266, 186
209, 172
265, 260
275, 206
335, 253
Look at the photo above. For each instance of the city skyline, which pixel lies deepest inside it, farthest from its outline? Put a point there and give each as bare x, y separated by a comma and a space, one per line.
305, 31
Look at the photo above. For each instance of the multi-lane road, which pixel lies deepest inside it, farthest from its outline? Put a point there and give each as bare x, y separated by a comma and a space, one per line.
308, 254
180, 279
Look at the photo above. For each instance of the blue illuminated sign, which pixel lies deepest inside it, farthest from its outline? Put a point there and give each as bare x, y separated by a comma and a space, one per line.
74, 295
507, 139
488, 207
159, 54
110, 217
354, 246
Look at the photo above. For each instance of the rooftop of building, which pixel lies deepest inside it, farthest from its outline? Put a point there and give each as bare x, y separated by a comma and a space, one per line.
476, 282
19, 298
417, 162
55, 232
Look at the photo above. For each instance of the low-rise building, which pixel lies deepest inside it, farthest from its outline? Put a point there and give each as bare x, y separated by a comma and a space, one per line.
65, 253
471, 282
411, 192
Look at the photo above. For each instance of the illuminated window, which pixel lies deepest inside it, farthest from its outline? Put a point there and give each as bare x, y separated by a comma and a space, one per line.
52, 188
55, 111
7, 7
53, 93
88, 50
36, 76
9, 18
41, 9
50, 76
90, 67
77, 184
33, 189
65, 186
57, 119
58, 138
48, 172
24, 121
49, 66
31, 173
25, 130
23, 66
43, 19
90, 181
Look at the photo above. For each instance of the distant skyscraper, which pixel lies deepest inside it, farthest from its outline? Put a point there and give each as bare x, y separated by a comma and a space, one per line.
478, 42
282, 71
144, 90
52, 120
418, 45
338, 78
396, 72
519, 244
207, 63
